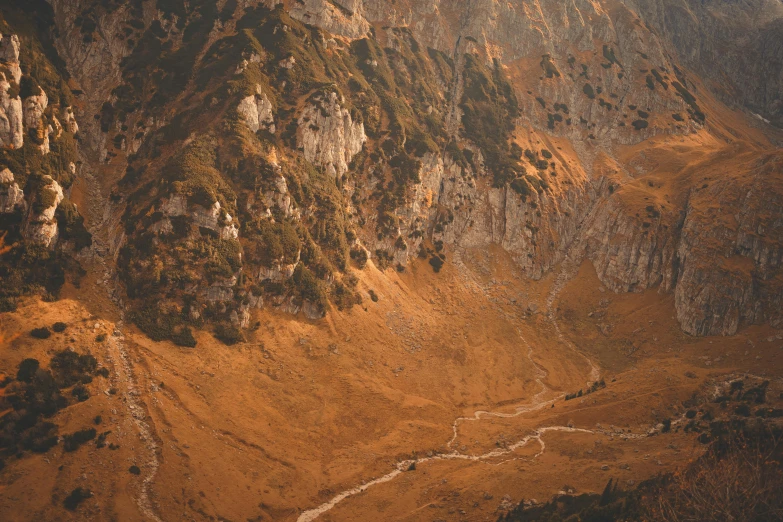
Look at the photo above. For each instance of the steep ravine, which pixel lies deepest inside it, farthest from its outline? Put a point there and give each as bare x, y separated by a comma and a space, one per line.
125, 378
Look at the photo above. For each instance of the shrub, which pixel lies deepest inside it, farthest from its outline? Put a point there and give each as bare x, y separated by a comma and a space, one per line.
73, 500
228, 335
59, 327
184, 337
41, 333
135, 470
100, 442
489, 107
75, 440
436, 262
360, 257
70, 368
81, 393
27, 370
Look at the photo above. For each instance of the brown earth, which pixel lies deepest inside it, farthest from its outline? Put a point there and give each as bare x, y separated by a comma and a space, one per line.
304, 411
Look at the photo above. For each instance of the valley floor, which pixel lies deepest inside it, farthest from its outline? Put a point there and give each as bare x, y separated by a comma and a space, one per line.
300, 422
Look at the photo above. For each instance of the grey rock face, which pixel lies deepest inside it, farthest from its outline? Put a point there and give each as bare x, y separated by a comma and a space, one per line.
328, 134
42, 227
736, 46
256, 112
9, 56
343, 17
11, 196
11, 117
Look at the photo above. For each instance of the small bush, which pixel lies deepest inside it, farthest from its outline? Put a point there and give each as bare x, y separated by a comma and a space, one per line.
135, 470
70, 368
81, 393
360, 257
73, 500
100, 442
41, 333
228, 335
184, 338
59, 327
27, 369
75, 440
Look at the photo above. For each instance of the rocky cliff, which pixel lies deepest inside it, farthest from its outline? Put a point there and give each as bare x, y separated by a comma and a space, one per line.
40, 227
270, 149
737, 47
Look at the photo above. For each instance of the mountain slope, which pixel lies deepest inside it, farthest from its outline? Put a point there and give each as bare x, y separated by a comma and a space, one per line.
421, 226
580, 81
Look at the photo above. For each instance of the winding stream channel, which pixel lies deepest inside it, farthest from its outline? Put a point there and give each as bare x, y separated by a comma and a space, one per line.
538, 402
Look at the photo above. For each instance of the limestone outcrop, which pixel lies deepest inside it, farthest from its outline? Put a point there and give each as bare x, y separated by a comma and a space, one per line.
11, 196
11, 116
328, 134
9, 57
42, 226
256, 111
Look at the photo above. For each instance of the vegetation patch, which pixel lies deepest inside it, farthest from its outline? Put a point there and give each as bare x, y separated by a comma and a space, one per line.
35, 395
489, 108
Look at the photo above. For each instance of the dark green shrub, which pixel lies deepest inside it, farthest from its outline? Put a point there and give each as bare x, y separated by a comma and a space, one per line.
81, 393
41, 333
59, 327
70, 367
184, 337
75, 440
27, 370
73, 500
360, 257
228, 335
